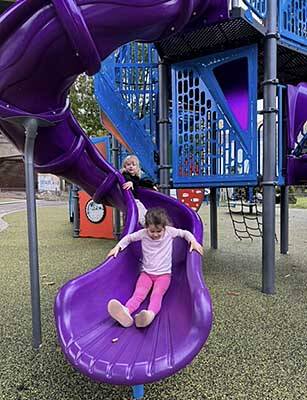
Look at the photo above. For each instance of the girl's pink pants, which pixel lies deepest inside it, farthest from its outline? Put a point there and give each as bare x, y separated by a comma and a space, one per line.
145, 282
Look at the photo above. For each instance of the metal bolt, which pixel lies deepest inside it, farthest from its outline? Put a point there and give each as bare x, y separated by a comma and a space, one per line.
172, 28
194, 12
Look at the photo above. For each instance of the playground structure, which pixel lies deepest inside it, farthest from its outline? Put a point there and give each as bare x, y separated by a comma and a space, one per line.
214, 54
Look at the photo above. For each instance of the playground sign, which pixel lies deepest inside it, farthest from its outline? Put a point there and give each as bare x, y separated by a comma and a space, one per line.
48, 183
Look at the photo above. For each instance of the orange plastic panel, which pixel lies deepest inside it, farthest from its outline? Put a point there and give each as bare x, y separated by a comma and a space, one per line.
96, 220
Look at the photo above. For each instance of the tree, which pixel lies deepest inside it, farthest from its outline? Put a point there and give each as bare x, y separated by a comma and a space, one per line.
84, 106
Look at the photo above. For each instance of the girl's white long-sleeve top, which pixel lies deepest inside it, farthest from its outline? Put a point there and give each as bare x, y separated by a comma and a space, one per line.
157, 254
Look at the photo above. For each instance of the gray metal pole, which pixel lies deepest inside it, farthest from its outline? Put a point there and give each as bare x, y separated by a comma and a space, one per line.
31, 133
213, 217
235, 3
164, 140
75, 201
115, 162
269, 149
284, 219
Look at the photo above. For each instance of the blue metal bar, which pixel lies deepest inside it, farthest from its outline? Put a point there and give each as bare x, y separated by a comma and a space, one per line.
138, 392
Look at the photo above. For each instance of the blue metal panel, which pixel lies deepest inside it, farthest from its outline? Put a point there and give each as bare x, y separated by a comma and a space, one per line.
126, 89
210, 147
259, 7
138, 392
293, 22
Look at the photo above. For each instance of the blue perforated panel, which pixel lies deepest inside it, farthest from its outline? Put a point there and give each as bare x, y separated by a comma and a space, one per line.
127, 89
259, 7
293, 21
211, 144
137, 79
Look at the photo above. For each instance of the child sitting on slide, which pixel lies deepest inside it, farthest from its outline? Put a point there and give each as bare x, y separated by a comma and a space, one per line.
132, 173
157, 242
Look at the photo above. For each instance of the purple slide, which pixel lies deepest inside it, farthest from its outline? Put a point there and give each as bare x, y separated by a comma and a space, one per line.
44, 45
297, 117
101, 348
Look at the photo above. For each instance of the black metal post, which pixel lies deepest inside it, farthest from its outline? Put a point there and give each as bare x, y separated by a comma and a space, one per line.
213, 218
75, 202
269, 149
164, 140
284, 219
31, 133
115, 162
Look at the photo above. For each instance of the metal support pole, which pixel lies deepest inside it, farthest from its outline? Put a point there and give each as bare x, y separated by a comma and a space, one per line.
213, 217
164, 141
138, 392
115, 162
235, 3
284, 219
31, 133
75, 201
269, 150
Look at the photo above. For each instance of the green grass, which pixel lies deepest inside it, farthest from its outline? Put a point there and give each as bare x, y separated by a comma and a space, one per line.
300, 203
257, 348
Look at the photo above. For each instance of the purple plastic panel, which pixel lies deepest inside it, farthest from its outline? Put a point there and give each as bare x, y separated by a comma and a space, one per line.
296, 170
43, 47
297, 116
233, 80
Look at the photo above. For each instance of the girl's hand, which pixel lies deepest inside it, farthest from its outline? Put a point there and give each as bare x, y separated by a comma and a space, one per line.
197, 247
113, 252
127, 185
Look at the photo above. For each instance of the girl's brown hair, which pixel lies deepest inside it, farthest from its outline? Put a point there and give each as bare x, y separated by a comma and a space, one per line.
156, 216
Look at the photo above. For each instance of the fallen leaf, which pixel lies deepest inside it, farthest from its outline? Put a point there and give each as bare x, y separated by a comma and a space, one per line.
233, 293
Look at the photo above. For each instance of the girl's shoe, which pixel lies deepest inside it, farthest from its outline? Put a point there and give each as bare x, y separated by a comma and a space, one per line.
144, 318
120, 313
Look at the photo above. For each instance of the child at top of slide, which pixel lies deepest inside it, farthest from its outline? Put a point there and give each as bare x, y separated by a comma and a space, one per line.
131, 171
